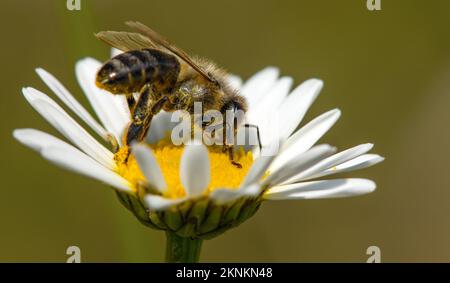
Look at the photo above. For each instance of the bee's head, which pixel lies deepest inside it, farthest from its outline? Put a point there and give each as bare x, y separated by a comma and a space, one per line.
233, 111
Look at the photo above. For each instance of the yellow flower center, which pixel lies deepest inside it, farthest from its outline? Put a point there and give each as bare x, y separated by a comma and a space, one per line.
223, 173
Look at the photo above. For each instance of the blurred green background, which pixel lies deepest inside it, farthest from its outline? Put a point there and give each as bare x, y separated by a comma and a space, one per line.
388, 71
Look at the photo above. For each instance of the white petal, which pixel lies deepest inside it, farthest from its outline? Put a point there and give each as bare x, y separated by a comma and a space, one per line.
259, 84
248, 139
321, 189
299, 163
222, 196
277, 94
195, 169
303, 139
296, 104
155, 202
271, 100
274, 96
265, 113
71, 102
74, 160
115, 52
331, 161
234, 81
149, 167
38, 140
357, 163
252, 190
257, 170
59, 119
160, 127
111, 109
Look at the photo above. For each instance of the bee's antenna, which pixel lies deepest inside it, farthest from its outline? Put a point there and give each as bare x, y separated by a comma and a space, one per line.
257, 133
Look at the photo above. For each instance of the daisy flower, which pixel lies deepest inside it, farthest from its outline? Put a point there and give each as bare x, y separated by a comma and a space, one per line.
193, 192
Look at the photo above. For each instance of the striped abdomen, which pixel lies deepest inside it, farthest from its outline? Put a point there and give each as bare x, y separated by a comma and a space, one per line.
128, 72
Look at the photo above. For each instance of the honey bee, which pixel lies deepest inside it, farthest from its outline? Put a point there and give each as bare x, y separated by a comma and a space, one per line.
165, 78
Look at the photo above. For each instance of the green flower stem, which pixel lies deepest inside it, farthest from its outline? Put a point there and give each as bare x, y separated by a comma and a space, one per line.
180, 249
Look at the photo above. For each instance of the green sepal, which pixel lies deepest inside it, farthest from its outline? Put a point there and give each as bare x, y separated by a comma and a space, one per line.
197, 212
173, 219
215, 232
184, 208
232, 212
188, 230
156, 220
212, 220
248, 209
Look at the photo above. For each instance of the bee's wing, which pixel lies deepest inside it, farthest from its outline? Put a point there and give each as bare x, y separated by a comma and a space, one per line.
161, 42
125, 41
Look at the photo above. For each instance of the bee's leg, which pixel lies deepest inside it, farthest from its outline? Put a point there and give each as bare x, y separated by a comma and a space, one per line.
230, 148
131, 102
231, 156
149, 103
114, 143
257, 133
